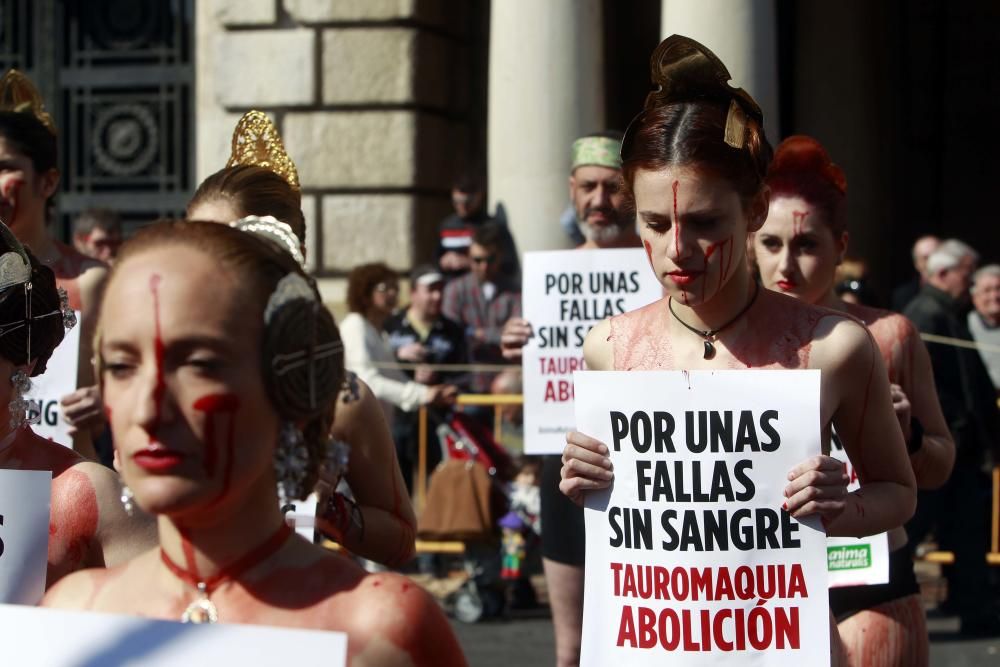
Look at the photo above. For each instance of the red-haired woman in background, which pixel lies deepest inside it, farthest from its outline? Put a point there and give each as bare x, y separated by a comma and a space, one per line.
798, 250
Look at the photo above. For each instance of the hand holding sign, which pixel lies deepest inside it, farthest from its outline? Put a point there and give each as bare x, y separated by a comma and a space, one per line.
515, 334
818, 485
586, 466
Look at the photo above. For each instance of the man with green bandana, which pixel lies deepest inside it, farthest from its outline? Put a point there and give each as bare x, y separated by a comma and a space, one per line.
595, 190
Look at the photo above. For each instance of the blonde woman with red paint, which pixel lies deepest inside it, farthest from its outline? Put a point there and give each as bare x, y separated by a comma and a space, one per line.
694, 163
797, 251
221, 396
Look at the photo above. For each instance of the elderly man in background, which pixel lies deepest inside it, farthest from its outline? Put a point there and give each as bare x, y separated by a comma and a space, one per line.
959, 509
984, 320
922, 249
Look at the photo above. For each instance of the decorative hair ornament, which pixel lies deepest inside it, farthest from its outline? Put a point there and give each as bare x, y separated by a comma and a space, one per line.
273, 230
292, 288
599, 151
256, 142
291, 464
22, 413
684, 70
19, 94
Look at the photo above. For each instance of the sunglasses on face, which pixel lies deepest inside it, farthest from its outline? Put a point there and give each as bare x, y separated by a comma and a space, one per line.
383, 288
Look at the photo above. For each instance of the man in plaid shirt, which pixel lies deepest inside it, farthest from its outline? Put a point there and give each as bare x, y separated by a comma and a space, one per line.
482, 301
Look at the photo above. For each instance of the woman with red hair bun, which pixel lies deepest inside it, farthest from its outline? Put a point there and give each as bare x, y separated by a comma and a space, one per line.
798, 249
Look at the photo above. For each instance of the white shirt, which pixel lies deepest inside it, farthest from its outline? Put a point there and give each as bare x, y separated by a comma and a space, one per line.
364, 347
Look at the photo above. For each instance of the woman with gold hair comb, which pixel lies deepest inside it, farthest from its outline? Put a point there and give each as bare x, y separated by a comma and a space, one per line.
29, 177
694, 162
261, 180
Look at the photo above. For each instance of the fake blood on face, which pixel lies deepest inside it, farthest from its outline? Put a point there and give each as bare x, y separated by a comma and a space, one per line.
214, 405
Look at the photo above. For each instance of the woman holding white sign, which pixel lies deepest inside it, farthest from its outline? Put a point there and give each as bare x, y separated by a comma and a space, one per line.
694, 163
261, 180
797, 251
218, 401
87, 526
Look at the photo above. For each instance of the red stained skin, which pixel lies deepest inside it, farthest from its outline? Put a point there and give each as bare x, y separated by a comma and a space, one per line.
213, 405
677, 234
161, 387
74, 524
798, 219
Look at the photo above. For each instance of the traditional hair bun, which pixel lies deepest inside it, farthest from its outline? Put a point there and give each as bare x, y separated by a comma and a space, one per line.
800, 156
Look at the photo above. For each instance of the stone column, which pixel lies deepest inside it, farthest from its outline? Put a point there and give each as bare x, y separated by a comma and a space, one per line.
744, 36
545, 90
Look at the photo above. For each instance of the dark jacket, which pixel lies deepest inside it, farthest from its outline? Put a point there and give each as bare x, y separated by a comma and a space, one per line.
445, 344
963, 384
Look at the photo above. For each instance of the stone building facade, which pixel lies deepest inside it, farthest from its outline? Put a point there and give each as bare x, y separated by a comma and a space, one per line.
372, 98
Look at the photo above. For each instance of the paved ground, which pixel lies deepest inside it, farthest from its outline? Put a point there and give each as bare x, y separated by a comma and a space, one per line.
524, 639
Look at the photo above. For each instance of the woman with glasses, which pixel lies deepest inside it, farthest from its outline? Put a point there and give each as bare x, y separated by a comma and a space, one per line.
372, 296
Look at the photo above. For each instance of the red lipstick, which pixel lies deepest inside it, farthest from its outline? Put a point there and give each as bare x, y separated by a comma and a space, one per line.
786, 285
157, 459
683, 278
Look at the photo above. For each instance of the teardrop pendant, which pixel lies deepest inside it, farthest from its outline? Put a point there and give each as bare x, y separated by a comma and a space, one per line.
709, 349
202, 610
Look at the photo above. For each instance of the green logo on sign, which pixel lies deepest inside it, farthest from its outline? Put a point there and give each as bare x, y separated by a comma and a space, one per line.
855, 557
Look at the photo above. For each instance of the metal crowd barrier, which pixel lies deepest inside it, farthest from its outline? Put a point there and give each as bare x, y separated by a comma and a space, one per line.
419, 486
993, 555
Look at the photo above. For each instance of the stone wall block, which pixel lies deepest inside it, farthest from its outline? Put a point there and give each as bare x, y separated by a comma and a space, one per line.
321, 11
392, 65
245, 12
361, 228
272, 67
368, 65
352, 148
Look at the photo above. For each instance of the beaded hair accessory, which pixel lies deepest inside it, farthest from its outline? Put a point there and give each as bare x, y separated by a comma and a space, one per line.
256, 142
684, 70
273, 230
19, 94
291, 289
15, 269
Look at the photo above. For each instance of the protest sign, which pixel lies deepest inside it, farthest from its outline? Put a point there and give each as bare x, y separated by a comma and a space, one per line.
58, 380
97, 640
565, 293
855, 561
691, 559
25, 498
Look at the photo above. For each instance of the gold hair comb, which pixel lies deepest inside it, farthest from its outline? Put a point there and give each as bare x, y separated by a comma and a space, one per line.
685, 71
256, 142
18, 93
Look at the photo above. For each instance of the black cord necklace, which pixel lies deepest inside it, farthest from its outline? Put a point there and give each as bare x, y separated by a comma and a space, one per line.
712, 334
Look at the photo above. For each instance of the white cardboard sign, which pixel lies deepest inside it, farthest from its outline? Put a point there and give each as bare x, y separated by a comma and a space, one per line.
565, 293
57, 638
855, 561
25, 499
691, 559
58, 380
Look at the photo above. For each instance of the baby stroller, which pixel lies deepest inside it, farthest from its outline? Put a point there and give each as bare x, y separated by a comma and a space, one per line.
464, 501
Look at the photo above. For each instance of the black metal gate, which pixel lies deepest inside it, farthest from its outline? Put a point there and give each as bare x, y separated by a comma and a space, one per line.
118, 77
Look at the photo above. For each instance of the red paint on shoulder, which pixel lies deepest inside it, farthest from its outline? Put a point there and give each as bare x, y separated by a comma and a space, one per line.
74, 521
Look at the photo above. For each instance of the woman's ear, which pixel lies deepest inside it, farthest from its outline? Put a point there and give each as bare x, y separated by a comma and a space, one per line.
758, 209
49, 183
